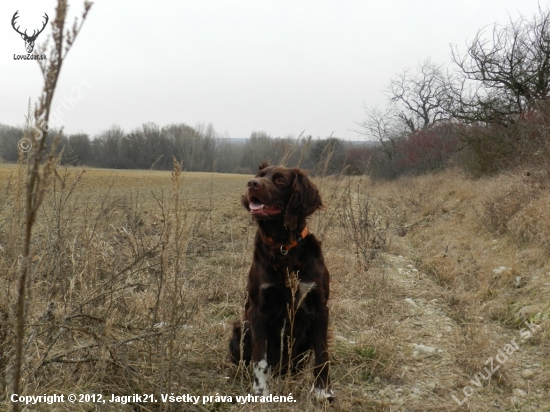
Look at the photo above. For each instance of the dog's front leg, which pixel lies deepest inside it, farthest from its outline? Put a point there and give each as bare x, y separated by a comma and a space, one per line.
321, 387
262, 371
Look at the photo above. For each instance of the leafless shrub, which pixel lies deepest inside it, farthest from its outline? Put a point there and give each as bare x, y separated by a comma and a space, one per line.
366, 230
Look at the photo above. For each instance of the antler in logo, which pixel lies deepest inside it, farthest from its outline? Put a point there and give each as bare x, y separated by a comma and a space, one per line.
29, 40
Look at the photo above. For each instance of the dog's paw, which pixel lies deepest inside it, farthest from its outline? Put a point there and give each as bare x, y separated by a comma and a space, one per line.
323, 395
260, 391
261, 374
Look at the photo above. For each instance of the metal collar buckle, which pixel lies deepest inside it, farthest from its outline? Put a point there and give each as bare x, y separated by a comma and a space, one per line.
285, 248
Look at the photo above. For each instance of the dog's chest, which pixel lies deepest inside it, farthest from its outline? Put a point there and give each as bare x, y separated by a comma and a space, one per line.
293, 293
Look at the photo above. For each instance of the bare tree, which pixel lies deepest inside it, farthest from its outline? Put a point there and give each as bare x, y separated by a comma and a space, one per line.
382, 125
418, 98
9, 137
503, 74
80, 148
416, 102
106, 147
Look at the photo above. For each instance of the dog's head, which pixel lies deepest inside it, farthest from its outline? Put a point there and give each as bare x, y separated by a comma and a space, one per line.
280, 192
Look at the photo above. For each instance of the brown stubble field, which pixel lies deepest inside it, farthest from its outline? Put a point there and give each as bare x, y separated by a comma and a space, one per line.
137, 275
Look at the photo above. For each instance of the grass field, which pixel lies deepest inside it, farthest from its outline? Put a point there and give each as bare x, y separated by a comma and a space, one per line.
136, 276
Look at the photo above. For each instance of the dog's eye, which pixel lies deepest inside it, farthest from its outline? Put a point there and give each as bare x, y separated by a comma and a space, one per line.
280, 181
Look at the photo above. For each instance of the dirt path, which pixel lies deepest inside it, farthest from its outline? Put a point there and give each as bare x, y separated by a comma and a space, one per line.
443, 370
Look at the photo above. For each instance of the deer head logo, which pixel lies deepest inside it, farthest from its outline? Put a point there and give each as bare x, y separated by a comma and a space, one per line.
29, 40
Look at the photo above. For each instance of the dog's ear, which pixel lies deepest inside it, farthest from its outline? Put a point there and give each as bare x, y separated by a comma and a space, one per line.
264, 164
304, 200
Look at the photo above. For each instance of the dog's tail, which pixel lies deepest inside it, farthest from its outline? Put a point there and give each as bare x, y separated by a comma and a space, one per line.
240, 346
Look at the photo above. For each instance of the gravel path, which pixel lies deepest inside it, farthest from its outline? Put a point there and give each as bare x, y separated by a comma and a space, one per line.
436, 373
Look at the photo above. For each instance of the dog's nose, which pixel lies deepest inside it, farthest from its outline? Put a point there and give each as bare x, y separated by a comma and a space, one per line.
253, 184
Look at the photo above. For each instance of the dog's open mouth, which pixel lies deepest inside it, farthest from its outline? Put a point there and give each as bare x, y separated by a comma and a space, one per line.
259, 209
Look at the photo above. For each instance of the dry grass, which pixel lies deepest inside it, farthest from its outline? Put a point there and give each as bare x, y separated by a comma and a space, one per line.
135, 278
462, 230
485, 243
137, 274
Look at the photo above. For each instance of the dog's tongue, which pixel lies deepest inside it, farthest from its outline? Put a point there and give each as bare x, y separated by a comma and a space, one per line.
258, 208
255, 206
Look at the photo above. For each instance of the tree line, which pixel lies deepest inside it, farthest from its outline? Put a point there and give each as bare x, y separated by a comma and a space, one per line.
198, 148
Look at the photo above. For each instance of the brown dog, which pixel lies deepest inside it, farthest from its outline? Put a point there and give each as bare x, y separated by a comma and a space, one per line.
280, 199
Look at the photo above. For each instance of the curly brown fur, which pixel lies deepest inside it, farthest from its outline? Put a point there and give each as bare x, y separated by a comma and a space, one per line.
280, 199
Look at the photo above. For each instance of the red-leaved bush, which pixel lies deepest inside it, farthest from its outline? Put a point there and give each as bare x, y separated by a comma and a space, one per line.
426, 150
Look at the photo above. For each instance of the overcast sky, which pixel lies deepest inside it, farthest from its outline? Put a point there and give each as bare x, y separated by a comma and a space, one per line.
276, 66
